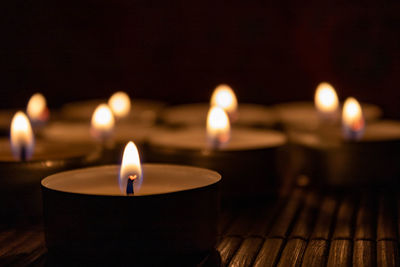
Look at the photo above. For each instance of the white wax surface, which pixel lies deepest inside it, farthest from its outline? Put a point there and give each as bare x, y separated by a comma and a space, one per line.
157, 179
196, 114
375, 132
141, 109
46, 150
80, 132
303, 115
195, 139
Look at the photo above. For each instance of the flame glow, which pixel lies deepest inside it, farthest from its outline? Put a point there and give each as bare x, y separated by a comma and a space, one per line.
352, 119
37, 108
325, 99
218, 127
120, 104
21, 137
224, 97
130, 168
102, 122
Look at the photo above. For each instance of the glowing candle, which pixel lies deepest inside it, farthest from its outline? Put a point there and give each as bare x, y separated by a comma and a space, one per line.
224, 97
21, 137
37, 109
120, 104
353, 123
218, 127
102, 123
326, 101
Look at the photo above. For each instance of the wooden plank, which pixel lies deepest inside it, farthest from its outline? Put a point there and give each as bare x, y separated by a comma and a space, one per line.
387, 229
340, 253
364, 253
292, 254
282, 225
306, 220
345, 220
387, 253
269, 253
366, 219
247, 252
325, 218
228, 247
316, 253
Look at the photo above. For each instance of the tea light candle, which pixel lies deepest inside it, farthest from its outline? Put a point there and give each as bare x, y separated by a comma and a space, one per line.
140, 110
25, 162
239, 114
172, 214
248, 161
324, 112
362, 157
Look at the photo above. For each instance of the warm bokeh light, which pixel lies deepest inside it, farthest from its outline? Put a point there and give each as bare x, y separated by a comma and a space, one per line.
224, 97
120, 104
37, 108
218, 127
352, 119
325, 99
130, 168
102, 123
21, 137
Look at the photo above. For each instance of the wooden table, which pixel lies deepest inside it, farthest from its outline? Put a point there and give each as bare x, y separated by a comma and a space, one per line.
306, 228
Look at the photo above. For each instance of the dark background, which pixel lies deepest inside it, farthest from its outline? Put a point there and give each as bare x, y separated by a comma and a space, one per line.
179, 51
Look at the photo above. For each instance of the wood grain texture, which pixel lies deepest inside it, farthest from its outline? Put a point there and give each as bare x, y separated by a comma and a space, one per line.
316, 253
305, 223
340, 253
366, 219
285, 219
345, 220
387, 253
364, 253
268, 255
247, 252
387, 216
292, 254
228, 247
325, 218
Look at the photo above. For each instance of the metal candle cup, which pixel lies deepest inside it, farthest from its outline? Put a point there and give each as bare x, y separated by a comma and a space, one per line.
173, 215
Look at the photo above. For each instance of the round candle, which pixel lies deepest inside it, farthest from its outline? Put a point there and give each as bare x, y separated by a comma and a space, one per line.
304, 116
248, 162
173, 215
20, 180
196, 115
141, 110
372, 160
73, 132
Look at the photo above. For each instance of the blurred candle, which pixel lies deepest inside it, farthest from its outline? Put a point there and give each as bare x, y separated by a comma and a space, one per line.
224, 97
37, 110
120, 104
102, 123
218, 127
21, 137
326, 101
353, 123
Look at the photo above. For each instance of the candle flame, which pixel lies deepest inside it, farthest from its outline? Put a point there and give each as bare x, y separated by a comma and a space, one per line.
224, 97
130, 168
37, 108
102, 122
120, 104
21, 137
218, 127
325, 99
352, 119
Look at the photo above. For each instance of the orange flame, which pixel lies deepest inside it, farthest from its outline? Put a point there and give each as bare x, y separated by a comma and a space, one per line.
120, 104
130, 168
218, 127
102, 123
325, 99
224, 97
37, 108
21, 137
352, 119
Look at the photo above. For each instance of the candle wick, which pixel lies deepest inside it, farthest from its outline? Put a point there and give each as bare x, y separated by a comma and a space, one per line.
23, 153
129, 186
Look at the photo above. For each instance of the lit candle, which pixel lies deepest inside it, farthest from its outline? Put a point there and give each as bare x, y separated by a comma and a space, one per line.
37, 110
102, 123
24, 161
306, 116
247, 158
136, 110
243, 114
173, 212
360, 156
